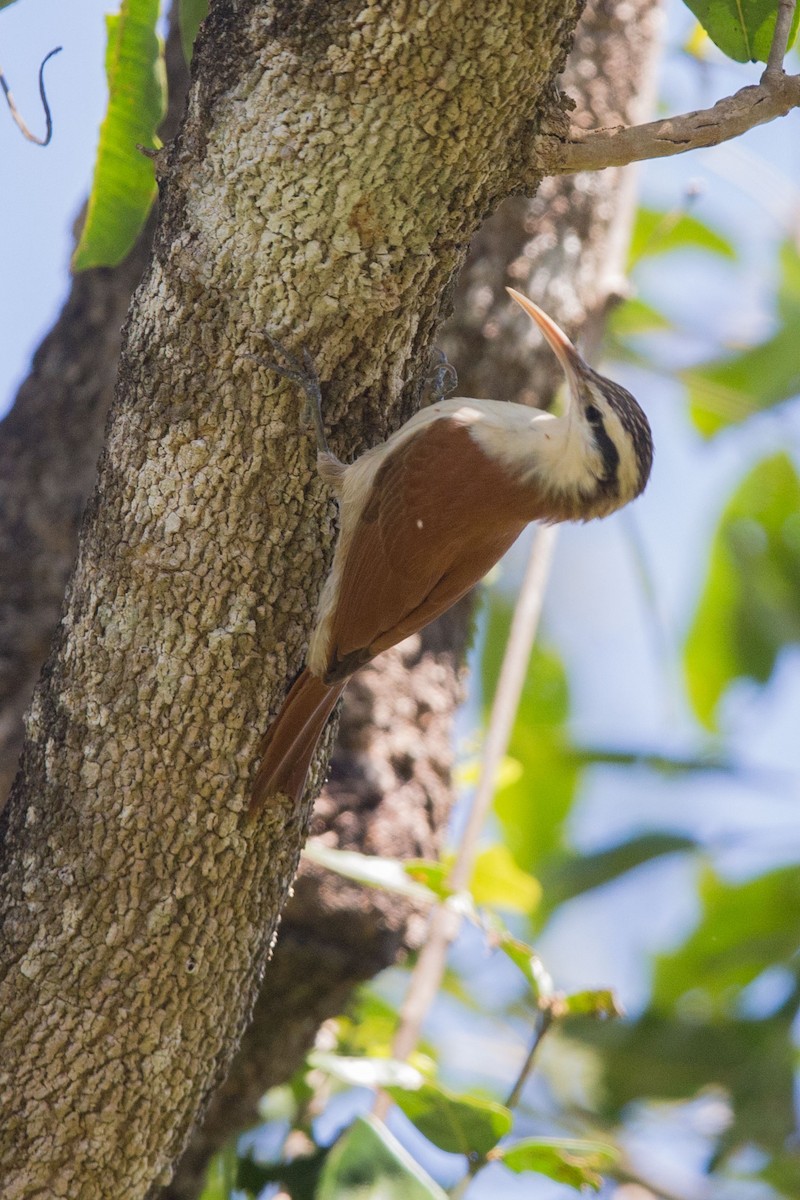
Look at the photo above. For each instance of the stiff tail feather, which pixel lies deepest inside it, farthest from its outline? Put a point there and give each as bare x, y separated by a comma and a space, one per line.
288, 746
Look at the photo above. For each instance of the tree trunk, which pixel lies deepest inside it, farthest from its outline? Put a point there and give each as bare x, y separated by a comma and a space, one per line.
331, 169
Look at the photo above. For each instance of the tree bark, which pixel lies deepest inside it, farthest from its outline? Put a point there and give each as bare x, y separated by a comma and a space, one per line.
331, 169
49, 445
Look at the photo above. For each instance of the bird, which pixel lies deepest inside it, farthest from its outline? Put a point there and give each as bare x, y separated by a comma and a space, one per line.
425, 514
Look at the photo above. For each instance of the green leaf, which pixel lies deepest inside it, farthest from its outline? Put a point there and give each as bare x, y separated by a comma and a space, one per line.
662, 232
191, 14
727, 391
368, 1163
468, 772
742, 29
368, 1027
600, 1004
750, 607
746, 927
432, 875
782, 1172
457, 1123
299, 1178
498, 882
124, 184
636, 316
221, 1174
390, 874
367, 1072
525, 958
572, 876
566, 1160
668, 765
667, 1058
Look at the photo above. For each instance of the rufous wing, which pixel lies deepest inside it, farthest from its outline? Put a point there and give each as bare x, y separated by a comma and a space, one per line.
441, 514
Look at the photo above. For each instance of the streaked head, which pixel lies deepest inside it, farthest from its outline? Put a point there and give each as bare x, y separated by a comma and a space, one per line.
615, 425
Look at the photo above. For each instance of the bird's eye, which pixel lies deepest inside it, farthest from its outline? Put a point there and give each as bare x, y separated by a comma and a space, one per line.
593, 414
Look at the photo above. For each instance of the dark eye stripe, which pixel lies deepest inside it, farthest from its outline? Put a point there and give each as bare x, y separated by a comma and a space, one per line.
635, 424
608, 451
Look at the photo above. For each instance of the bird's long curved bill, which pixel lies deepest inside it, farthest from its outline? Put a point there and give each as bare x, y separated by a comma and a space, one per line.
562, 347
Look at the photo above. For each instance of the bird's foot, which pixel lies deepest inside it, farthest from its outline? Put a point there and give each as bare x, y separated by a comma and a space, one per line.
441, 379
300, 370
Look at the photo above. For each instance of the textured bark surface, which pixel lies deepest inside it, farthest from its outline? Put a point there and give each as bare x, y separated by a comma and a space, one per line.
49, 445
332, 167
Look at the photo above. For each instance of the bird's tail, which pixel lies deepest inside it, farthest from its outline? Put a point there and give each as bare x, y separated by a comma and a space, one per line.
288, 745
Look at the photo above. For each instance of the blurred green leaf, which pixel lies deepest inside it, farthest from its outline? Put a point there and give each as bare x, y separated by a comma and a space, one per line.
566, 1160
431, 875
742, 29
525, 958
658, 232
600, 1004
389, 874
124, 187
788, 298
664, 1057
782, 1172
468, 772
636, 316
750, 607
697, 42
498, 882
664, 764
221, 1174
573, 875
533, 808
298, 1178
367, 1072
369, 1025
368, 1163
460, 1124
727, 391
745, 928
191, 14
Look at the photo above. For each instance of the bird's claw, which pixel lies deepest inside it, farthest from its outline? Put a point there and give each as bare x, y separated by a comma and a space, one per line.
441, 379
303, 372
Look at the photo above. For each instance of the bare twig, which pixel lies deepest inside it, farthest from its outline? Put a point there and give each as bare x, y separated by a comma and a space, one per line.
780, 39
544, 1019
17, 116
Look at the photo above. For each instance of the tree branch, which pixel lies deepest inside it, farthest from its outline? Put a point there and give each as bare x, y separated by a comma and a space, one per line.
780, 38
593, 150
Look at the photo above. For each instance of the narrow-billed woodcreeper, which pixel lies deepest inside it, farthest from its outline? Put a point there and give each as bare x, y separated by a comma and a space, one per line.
427, 513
